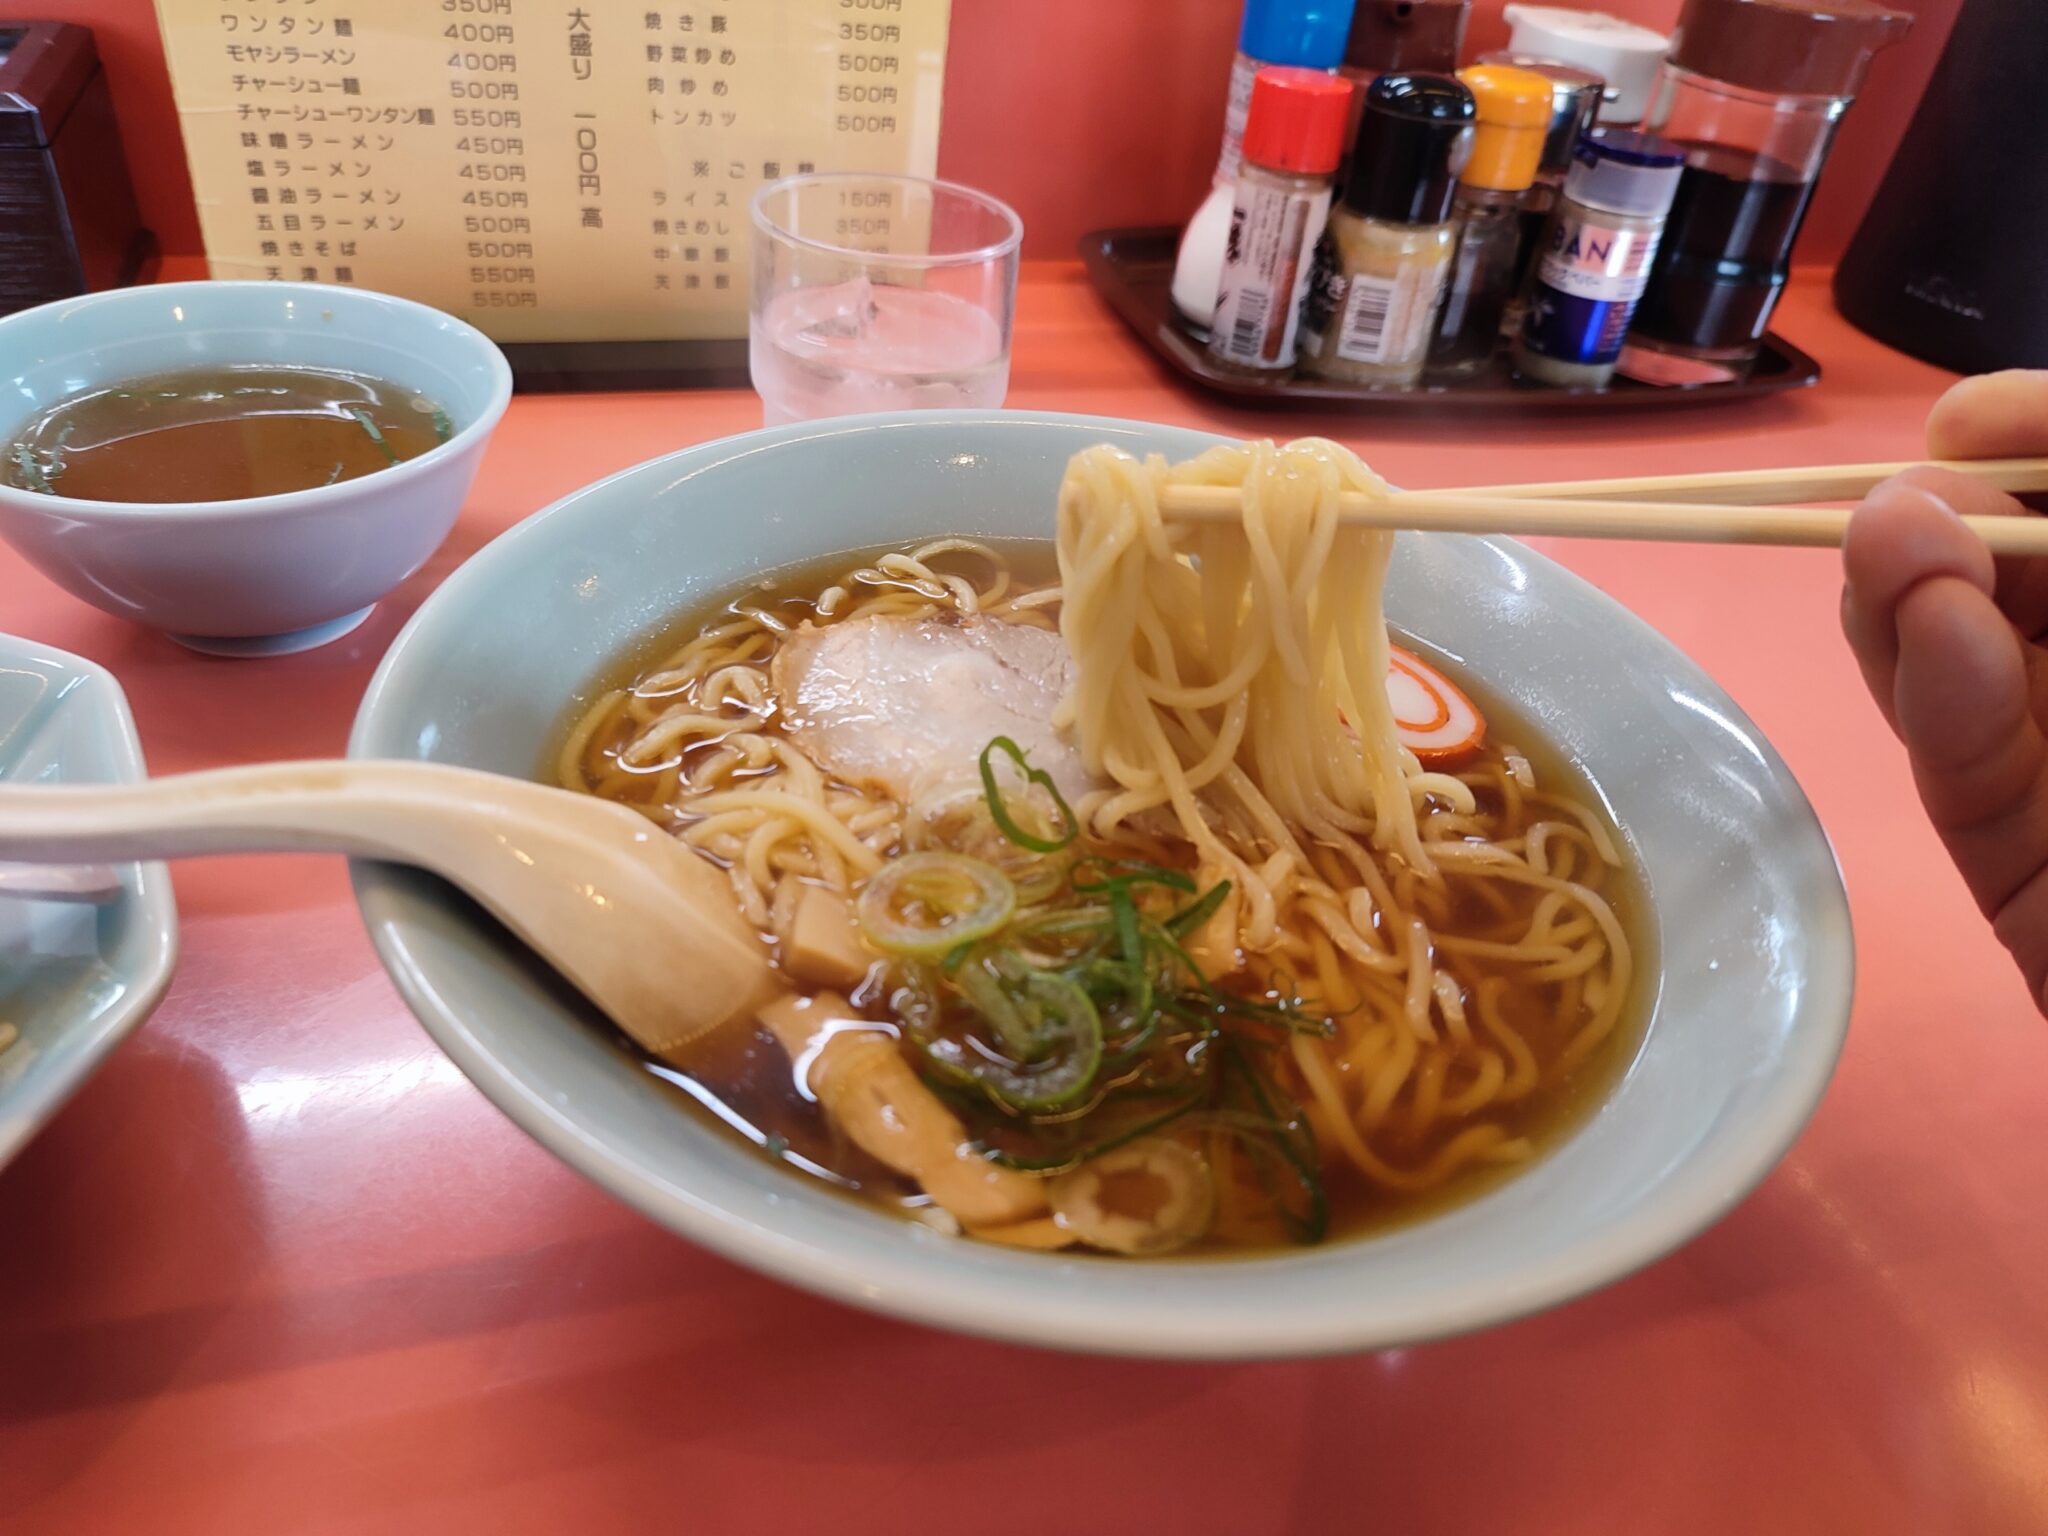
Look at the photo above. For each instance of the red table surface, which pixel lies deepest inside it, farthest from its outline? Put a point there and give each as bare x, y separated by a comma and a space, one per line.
279, 1268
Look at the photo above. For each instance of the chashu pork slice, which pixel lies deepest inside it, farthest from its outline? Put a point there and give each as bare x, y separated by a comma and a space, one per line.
893, 703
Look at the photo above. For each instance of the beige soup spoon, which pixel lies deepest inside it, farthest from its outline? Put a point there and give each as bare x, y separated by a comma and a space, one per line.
636, 922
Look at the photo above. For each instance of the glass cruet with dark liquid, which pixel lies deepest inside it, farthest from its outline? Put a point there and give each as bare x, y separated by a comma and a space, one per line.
1753, 90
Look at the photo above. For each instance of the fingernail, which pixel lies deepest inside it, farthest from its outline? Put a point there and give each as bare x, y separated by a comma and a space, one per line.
1901, 491
1905, 532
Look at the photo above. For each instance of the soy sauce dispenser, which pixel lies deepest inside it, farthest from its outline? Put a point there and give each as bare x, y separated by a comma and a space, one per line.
1753, 90
1392, 37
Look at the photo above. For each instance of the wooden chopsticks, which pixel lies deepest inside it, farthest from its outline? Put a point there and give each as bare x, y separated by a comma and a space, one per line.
1758, 487
1755, 506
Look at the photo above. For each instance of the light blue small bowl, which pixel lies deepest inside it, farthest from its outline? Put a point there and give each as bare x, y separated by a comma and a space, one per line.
263, 575
74, 980
1752, 956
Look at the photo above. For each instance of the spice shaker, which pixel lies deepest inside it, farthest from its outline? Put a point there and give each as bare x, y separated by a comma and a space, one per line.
1304, 34
1512, 119
1292, 138
1574, 107
1380, 269
1596, 257
1753, 90
1391, 37
1621, 53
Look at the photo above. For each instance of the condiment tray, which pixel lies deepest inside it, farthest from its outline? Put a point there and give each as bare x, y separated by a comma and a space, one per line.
1133, 270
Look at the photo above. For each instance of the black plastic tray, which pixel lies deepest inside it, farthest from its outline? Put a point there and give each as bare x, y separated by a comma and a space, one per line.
1133, 270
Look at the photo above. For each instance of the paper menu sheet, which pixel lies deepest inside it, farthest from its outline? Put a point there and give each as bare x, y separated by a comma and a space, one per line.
548, 171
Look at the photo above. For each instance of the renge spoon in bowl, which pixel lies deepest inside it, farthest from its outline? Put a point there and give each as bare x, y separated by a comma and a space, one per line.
632, 919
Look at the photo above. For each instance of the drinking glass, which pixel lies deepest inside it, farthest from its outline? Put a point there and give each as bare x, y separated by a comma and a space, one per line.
875, 292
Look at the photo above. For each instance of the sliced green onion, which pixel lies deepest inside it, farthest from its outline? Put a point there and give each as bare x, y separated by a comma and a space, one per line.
1176, 955
1042, 1088
1062, 922
1030, 1011
1107, 981
1126, 1050
925, 905
1066, 1026
1123, 914
1291, 1142
1047, 1026
32, 474
1191, 917
1037, 880
1051, 1160
920, 1008
376, 436
1125, 873
1286, 1013
1006, 1025
1005, 823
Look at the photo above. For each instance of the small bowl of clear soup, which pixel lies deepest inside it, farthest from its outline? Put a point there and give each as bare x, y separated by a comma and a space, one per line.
247, 466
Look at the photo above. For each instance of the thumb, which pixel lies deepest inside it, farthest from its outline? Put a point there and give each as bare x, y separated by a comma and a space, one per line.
1962, 702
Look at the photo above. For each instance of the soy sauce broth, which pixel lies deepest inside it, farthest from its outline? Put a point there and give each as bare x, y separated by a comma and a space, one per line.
742, 1081
222, 434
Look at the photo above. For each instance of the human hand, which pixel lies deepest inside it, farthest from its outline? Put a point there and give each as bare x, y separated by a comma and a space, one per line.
1951, 643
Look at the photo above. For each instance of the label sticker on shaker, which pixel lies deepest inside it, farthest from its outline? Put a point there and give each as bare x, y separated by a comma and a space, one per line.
1592, 261
1266, 267
1587, 285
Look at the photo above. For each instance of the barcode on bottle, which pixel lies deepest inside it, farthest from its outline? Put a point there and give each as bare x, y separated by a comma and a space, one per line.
1366, 307
1248, 328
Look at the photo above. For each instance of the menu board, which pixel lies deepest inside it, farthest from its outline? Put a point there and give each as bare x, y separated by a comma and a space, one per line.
551, 172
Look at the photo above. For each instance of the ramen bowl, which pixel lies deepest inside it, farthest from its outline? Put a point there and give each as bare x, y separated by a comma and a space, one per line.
262, 575
1747, 942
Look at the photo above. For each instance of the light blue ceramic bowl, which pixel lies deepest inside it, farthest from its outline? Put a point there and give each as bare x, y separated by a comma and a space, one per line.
74, 980
266, 574
1752, 937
